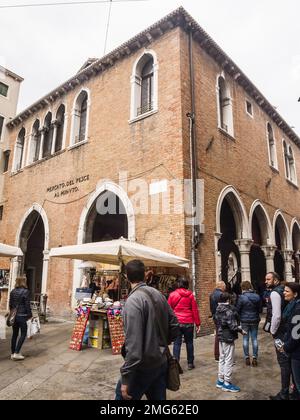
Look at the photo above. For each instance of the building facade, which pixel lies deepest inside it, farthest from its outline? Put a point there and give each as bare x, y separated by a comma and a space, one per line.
9, 95
132, 129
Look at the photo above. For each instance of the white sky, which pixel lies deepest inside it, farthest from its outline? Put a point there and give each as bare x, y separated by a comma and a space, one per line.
48, 45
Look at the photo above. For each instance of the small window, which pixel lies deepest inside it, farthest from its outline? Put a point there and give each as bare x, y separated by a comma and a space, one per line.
249, 108
1, 125
290, 167
3, 89
225, 110
6, 155
272, 147
1, 212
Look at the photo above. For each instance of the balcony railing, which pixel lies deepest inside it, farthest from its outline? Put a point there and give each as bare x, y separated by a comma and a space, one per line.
145, 108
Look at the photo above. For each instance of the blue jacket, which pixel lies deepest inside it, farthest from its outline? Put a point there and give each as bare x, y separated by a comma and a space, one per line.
20, 298
292, 337
214, 300
249, 307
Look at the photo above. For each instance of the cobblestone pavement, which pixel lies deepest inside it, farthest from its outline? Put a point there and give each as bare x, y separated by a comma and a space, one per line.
51, 371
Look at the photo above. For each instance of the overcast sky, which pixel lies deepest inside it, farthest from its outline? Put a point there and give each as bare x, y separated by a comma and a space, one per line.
47, 45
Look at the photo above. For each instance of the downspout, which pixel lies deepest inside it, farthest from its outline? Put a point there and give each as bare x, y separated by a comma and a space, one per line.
193, 164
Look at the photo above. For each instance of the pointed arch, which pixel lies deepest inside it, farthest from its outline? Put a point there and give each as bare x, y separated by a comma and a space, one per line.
238, 209
80, 117
283, 230
101, 188
42, 216
144, 85
265, 222
295, 230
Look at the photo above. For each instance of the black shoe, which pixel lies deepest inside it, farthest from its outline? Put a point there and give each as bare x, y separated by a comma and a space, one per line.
279, 397
191, 366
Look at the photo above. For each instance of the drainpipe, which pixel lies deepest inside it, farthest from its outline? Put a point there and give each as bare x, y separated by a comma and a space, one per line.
193, 163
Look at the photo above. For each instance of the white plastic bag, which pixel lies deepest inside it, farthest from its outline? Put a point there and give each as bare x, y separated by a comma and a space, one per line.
33, 327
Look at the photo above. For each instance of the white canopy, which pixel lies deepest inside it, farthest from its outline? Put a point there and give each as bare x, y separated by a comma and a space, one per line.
112, 252
10, 251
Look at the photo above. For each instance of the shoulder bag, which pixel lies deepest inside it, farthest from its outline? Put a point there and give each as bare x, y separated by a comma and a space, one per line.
11, 316
174, 368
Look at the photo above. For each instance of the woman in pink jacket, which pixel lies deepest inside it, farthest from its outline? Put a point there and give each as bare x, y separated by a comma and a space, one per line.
184, 304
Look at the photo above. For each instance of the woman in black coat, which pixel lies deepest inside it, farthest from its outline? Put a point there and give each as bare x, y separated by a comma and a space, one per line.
19, 298
292, 338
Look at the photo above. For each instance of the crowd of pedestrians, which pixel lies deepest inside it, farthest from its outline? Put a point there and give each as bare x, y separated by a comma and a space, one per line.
151, 324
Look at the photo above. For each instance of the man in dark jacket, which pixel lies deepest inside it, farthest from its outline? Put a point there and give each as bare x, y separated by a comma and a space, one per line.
145, 367
249, 306
275, 325
213, 301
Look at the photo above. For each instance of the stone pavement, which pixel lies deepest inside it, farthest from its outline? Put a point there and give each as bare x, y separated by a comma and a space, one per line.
53, 372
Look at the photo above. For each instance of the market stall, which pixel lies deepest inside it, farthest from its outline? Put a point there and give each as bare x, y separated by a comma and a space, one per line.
103, 311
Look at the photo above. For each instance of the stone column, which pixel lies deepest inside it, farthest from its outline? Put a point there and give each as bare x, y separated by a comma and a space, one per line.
54, 123
42, 144
45, 271
269, 251
218, 257
244, 246
288, 261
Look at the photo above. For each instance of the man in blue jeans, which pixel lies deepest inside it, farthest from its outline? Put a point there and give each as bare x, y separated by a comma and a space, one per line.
249, 306
145, 366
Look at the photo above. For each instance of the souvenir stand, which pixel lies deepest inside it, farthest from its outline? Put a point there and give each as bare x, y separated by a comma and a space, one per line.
105, 315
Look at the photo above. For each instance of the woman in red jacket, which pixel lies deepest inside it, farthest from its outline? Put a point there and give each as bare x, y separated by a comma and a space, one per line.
184, 304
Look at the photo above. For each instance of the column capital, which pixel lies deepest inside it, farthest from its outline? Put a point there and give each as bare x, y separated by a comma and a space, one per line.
288, 254
218, 235
269, 251
244, 245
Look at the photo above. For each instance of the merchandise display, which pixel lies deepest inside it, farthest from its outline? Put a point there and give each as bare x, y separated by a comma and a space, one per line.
116, 330
83, 313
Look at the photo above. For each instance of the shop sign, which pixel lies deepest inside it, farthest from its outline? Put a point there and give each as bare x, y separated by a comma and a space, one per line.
68, 187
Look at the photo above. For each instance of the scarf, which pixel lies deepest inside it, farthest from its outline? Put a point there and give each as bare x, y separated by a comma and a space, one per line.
289, 309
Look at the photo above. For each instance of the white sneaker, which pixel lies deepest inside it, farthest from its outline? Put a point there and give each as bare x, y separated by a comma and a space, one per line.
18, 356
12, 356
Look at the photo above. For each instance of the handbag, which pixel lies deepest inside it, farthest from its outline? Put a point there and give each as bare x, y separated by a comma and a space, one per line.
174, 368
11, 316
174, 372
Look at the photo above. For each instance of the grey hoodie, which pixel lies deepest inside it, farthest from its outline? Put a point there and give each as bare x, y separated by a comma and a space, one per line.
144, 346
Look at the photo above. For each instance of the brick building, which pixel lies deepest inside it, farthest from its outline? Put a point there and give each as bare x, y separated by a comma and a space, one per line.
9, 95
136, 115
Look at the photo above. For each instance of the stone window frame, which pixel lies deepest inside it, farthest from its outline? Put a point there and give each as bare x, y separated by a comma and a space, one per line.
19, 157
225, 120
289, 162
7, 90
272, 149
251, 114
136, 81
75, 119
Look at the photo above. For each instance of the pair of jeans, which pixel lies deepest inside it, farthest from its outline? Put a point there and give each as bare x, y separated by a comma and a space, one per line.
296, 374
149, 382
252, 331
284, 362
188, 334
19, 325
